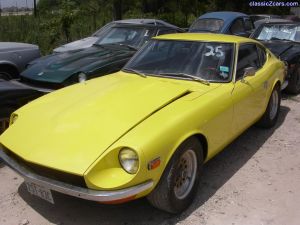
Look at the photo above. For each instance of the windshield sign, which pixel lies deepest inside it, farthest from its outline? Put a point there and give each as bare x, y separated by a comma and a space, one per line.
279, 32
211, 25
209, 61
132, 36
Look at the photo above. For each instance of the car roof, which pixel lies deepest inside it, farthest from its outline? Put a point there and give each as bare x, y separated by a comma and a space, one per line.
153, 22
206, 37
224, 15
268, 21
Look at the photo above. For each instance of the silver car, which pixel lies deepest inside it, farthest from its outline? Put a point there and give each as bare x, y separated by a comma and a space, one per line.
14, 57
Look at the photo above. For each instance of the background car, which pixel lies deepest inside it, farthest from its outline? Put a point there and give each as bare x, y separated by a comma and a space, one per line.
234, 23
89, 41
103, 140
14, 57
283, 39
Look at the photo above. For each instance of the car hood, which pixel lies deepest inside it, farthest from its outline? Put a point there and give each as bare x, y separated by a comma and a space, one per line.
76, 45
282, 48
69, 129
14, 46
57, 68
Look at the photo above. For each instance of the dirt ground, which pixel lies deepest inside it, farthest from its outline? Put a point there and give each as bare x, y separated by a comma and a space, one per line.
255, 180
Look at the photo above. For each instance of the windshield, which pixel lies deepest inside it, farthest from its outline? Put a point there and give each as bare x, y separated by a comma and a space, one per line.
211, 61
212, 25
132, 36
279, 31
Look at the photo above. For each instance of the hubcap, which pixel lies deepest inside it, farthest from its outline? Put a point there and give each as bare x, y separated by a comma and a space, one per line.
4, 123
274, 105
185, 179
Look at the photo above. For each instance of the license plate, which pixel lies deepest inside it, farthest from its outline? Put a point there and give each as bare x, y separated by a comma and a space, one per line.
40, 191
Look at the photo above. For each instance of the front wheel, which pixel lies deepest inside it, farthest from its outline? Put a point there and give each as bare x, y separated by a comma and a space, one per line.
178, 184
271, 114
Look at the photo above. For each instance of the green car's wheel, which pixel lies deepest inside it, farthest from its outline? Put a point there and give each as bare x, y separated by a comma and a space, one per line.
179, 182
271, 114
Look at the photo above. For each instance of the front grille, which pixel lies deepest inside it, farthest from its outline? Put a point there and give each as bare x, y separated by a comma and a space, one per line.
48, 172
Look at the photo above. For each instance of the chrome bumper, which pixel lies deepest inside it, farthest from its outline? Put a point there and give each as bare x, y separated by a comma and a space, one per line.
84, 193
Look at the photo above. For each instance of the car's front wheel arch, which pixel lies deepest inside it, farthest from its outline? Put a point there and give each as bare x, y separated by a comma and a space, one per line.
178, 184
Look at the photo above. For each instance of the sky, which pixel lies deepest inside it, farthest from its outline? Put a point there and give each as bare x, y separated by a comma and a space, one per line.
19, 3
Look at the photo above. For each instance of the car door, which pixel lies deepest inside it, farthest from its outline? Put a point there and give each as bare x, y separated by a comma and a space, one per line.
249, 93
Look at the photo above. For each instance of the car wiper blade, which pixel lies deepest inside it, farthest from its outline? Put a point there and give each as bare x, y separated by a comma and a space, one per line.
195, 78
134, 71
128, 46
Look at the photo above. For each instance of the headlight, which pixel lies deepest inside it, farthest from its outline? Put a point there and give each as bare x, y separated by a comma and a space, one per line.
129, 160
13, 118
81, 77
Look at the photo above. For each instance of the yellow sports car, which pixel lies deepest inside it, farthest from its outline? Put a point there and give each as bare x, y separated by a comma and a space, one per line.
148, 129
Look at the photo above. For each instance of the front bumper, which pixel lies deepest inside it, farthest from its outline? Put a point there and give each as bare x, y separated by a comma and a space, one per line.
72, 190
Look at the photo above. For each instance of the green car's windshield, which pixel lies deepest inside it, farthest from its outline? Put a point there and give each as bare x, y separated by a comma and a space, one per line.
207, 61
278, 32
129, 36
210, 25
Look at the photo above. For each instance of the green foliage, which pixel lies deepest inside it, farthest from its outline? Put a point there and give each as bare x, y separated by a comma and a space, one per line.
61, 21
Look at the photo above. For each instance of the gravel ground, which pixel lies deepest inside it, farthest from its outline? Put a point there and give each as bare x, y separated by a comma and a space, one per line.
255, 180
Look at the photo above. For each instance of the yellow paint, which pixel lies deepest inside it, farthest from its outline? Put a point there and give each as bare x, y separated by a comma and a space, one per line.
81, 129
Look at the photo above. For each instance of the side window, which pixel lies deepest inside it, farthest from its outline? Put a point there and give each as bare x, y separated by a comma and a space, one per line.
237, 27
166, 31
248, 25
262, 55
247, 57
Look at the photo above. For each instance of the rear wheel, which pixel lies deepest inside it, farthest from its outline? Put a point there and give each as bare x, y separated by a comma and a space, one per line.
271, 114
178, 184
294, 82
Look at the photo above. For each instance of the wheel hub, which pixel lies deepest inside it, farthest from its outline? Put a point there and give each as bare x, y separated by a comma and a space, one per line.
184, 181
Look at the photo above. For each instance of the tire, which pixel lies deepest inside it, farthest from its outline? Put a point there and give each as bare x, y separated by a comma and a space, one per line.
7, 73
270, 116
294, 82
4, 118
175, 192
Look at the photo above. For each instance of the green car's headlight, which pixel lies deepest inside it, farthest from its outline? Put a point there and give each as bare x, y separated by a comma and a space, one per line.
129, 160
82, 77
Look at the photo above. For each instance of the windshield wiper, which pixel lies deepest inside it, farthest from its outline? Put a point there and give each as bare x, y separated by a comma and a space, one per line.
128, 46
135, 72
195, 78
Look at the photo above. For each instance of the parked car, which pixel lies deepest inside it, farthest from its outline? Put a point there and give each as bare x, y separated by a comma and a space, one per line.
234, 23
116, 45
98, 35
283, 39
148, 129
14, 57
109, 54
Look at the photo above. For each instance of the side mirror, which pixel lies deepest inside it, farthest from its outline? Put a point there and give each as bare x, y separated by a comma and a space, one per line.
249, 72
